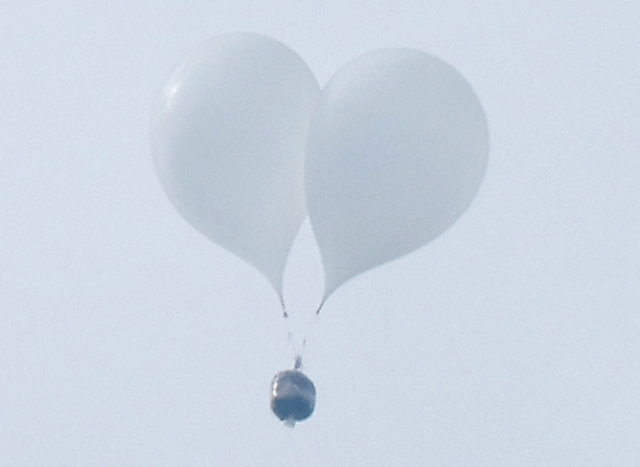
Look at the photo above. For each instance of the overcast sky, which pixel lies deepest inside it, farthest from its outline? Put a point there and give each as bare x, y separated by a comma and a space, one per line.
129, 339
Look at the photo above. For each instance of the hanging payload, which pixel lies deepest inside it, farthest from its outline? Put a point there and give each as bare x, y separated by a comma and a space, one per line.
293, 395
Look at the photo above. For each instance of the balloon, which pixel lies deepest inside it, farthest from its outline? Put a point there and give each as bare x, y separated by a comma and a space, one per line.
228, 141
397, 148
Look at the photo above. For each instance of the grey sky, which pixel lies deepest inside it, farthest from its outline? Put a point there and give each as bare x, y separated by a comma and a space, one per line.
127, 338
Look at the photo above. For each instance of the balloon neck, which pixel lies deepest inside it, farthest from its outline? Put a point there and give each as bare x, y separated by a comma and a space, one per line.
321, 304
284, 308
297, 363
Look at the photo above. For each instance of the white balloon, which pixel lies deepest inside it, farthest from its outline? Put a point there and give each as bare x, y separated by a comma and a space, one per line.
228, 141
397, 148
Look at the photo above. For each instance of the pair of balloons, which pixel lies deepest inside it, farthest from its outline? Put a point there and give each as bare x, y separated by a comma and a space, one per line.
383, 159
